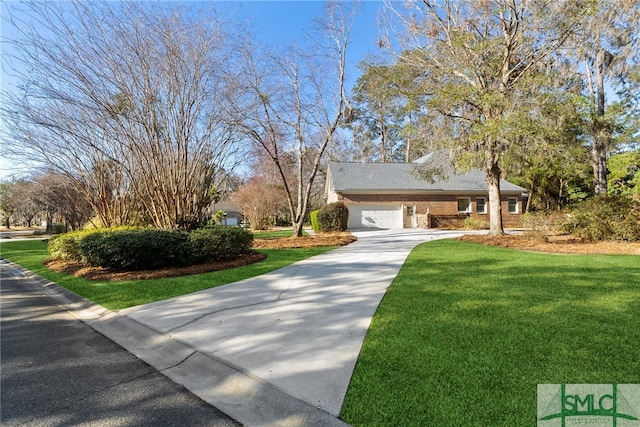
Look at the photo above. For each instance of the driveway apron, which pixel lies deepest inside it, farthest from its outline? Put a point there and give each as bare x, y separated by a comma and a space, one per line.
299, 328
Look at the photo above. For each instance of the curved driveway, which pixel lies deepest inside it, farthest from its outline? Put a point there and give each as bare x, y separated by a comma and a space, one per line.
299, 328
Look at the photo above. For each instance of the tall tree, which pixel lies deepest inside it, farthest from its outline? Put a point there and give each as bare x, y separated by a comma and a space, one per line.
484, 63
135, 89
625, 174
385, 104
375, 108
604, 50
294, 103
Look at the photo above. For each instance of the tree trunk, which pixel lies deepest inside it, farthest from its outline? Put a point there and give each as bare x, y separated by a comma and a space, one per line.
495, 207
297, 227
600, 134
528, 208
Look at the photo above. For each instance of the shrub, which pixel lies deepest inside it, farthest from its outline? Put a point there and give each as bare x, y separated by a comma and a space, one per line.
130, 248
471, 223
605, 218
137, 249
219, 243
333, 217
544, 224
66, 247
57, 228
313, 216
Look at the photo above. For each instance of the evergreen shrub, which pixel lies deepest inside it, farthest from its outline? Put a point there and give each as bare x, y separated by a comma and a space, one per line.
333, 217
66, 246
313, 216
130, 248
219, 243
138, 249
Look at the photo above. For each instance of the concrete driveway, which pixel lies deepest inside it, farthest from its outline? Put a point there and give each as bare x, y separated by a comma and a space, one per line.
299, 328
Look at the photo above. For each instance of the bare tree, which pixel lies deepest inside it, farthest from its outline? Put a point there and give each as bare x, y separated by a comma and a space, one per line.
54, 193
294, 102
128, 100
260, 201
8, 201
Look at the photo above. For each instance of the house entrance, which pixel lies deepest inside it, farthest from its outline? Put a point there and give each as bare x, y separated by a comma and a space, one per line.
410, 220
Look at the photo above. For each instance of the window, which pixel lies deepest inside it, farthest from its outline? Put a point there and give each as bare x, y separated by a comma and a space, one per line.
513, 205
464, 205
481, 205
410, 210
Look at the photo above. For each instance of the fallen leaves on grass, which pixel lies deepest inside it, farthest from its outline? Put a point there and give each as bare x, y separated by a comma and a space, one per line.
555, 244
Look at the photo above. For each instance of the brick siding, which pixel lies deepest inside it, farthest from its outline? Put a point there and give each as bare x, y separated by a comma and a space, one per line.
439, 204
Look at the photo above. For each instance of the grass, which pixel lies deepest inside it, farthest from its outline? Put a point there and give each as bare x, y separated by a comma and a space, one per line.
275, 234
466, 332
121, 294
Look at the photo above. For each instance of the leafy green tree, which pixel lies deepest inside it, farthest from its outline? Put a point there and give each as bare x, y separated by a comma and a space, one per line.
603, 50
553, 178
624, 174
486, 66
383, 108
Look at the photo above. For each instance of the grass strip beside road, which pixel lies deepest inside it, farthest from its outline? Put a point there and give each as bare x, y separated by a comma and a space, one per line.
117, 295
466, 332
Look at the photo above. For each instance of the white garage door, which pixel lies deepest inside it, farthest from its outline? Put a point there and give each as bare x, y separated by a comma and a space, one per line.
230, 221
375, 216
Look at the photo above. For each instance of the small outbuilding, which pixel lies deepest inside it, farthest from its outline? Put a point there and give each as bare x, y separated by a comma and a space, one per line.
232, 213
427, 193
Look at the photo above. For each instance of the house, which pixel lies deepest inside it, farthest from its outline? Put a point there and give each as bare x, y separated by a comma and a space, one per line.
399, 195
232, 214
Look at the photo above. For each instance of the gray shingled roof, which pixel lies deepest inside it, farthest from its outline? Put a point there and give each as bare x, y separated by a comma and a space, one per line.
378, 177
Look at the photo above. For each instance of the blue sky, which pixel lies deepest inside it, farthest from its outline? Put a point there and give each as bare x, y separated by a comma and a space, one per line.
277, 22
283, 21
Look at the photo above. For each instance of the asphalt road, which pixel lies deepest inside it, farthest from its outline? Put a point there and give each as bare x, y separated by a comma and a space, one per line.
57, 371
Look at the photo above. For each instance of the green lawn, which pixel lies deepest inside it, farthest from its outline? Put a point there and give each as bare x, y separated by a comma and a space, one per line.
121, 294
275, 234
466, 332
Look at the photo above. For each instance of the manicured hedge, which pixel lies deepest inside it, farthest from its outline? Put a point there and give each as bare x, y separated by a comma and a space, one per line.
66, 247
219, 243
142, 249
148, 248
333, 217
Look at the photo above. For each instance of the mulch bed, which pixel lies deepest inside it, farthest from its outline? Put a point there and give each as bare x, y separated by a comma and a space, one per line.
103, 274
324, 239
555, 244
